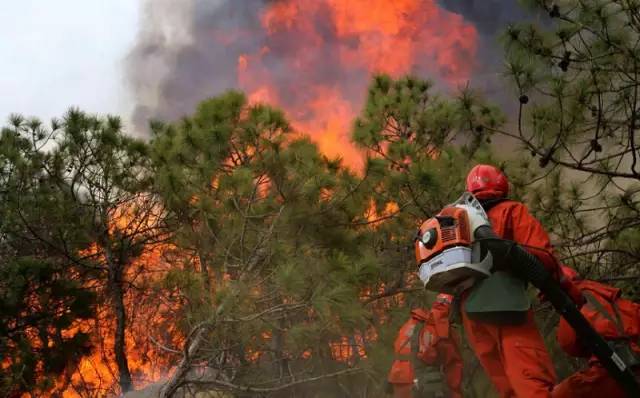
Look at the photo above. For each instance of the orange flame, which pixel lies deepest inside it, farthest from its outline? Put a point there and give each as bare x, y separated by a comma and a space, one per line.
147, 317
367, 37
394, 37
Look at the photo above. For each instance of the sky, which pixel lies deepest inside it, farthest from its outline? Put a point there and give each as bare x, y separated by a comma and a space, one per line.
60, 53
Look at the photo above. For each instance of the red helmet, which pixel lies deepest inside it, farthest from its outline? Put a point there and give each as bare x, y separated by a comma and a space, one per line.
444, 298
487, 182
569, 274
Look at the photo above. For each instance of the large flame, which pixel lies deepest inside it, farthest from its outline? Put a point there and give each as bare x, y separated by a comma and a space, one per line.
149, 330
315, 59
318, 56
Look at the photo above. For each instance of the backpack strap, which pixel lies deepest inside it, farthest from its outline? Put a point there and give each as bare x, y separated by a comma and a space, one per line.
591, 299
414, 343
427, 379
621, 347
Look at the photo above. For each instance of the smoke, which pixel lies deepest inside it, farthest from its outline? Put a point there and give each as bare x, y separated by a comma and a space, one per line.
297, 54
491, 17
314, 59
180, 58
488, 16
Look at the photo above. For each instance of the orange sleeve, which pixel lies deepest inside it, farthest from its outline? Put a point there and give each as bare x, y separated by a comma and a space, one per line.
568, 340
529, 232
401, 371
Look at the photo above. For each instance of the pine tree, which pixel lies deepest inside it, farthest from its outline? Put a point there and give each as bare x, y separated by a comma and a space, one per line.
109, 175
273, 267
81, 194
577, 84
41, 298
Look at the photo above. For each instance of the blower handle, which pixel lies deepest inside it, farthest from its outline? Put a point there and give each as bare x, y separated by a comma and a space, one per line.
529, 268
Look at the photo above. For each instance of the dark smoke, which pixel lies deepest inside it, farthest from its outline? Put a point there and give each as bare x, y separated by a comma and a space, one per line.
187, 51
489, 16
168, 79
178, 59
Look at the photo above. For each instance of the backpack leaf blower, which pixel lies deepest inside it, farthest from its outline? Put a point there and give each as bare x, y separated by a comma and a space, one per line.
457, 247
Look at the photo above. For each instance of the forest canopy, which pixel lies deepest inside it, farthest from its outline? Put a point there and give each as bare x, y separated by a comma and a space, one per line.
228, 254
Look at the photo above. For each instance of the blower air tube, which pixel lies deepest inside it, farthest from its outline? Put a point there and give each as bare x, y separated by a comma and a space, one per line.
529, 268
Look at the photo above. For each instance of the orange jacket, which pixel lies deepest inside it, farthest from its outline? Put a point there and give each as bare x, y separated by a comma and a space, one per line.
436, 346
514, 356
607, 296
512, 220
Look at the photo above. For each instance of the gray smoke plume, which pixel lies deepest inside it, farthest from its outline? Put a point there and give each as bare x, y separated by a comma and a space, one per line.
488, 16
491, 17
177, 61
189, 50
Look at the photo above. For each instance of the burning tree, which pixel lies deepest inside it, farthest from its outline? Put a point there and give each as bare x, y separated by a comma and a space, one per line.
274, 266
40, 298
277, 264
280, 241
79, 214
109, 175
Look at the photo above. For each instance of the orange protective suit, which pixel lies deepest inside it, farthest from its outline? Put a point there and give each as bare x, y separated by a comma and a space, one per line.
437, 346
595, 381
514, 356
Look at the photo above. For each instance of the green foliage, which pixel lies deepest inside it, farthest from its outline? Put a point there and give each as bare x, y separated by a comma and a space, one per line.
269, 220
41, 298
77, 207
291, 248
580, 124
38, 303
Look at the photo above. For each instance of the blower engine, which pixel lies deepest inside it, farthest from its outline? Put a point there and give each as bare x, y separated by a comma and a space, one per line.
450, 259
456, 248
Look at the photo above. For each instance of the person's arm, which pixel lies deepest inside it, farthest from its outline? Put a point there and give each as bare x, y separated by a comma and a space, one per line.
529, 232
569, 341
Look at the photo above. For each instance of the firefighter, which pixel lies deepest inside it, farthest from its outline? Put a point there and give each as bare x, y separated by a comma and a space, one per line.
508, 343
617, 320
428, 360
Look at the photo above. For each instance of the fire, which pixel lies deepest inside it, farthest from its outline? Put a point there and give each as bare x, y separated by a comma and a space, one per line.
318, 56
96, 374
315, 61
375, 218
149, 318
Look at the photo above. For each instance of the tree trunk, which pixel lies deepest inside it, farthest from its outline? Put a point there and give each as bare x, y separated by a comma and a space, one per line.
281, 362
120, 344
183, 368
204, 270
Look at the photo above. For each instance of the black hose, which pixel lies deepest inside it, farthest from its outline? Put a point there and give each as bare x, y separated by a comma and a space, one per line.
528, 267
